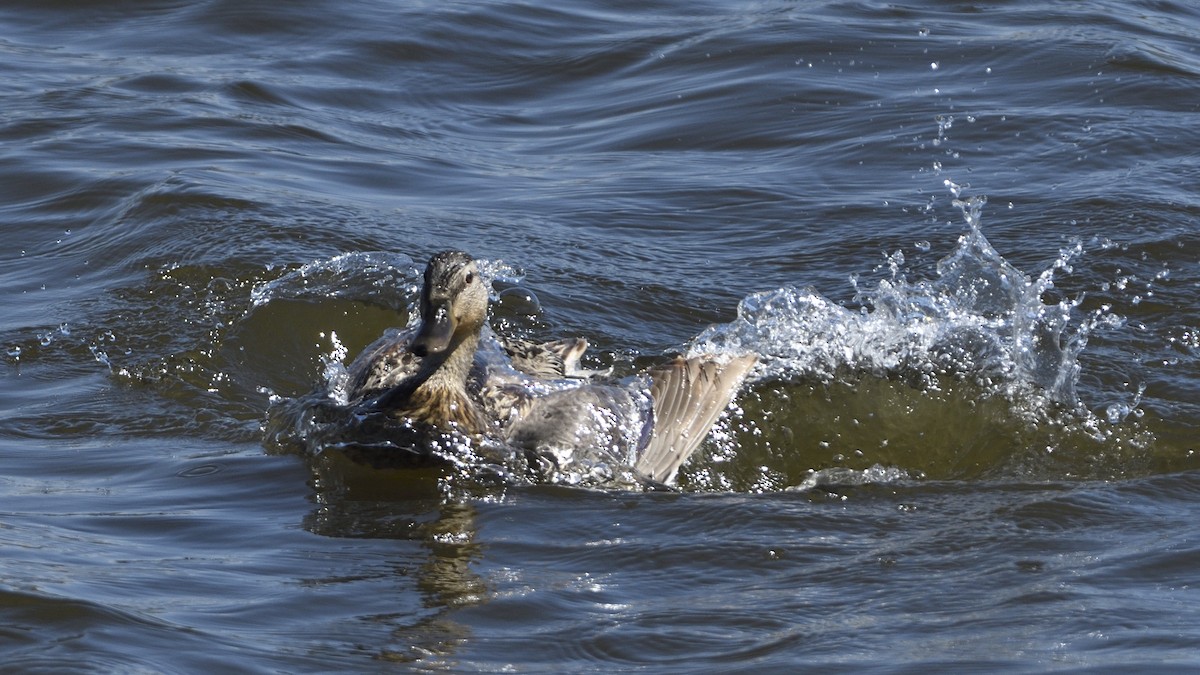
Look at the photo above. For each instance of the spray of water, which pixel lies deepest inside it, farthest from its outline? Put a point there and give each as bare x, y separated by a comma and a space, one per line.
979, 318
979, 326
970, 367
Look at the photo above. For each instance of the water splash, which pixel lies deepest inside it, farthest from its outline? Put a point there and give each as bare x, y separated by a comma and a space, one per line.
45, 339
868, 389
839, 477
845, 391
360, 274
980, 318
392, 279
325, 421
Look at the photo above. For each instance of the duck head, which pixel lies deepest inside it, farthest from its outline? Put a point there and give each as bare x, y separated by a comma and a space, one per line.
453, 304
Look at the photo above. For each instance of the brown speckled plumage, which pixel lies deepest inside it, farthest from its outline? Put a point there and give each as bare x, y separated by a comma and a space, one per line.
421, 373
431, 374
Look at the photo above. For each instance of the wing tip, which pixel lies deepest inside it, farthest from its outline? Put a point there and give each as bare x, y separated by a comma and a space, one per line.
689, 394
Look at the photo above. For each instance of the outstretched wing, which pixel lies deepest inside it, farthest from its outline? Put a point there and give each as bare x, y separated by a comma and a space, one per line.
689, 395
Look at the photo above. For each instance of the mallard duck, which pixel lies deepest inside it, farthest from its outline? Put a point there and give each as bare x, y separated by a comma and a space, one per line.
421, 372
438, 375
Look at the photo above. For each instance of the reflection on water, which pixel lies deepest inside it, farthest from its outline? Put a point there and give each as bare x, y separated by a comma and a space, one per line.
358, 502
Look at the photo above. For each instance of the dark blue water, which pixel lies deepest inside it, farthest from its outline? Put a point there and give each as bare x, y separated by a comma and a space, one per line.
962, 238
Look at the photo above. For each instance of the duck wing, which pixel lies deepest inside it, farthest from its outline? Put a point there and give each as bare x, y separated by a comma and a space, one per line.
558, 358
688, 396
384, 364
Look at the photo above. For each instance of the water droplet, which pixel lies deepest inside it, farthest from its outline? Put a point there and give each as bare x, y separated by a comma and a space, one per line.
934, 65
99, 355
1116, 412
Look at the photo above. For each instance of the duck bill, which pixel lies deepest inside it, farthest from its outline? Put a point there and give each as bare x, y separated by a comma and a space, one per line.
435, 333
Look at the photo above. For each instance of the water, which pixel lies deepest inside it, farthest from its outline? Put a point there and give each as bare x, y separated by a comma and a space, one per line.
961, 238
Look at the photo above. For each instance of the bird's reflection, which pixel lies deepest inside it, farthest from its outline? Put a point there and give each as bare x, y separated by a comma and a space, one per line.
357, 501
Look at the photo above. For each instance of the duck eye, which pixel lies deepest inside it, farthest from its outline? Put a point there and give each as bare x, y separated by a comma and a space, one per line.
470, 277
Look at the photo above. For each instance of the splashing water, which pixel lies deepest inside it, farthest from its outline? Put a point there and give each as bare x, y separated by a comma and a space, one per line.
361, 274
980, 319
976, 343
968, 374
388, 278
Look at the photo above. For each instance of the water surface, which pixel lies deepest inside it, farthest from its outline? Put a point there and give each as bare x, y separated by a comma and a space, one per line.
961, 237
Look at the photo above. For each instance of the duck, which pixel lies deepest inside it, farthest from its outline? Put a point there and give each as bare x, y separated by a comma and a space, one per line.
421, 373
449, 373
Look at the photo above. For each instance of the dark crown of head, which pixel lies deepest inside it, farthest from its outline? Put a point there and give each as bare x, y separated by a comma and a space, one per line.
442, 266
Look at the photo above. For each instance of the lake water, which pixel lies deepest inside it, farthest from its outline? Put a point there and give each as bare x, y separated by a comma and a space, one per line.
963, 238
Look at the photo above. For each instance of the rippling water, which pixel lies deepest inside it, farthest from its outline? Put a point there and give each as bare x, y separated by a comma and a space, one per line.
962, 238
